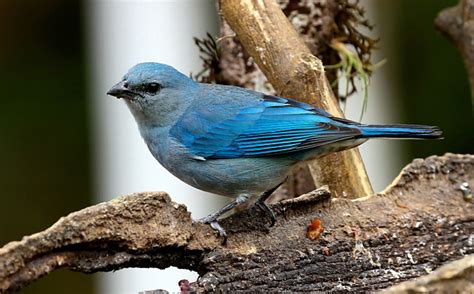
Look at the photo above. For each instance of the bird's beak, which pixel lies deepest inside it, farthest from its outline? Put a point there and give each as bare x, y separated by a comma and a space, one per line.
121, 90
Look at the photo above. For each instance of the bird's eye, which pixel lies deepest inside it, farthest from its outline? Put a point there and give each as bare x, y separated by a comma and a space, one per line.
152, 88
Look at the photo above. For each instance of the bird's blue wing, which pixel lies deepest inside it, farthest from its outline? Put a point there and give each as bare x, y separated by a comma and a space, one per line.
271, 126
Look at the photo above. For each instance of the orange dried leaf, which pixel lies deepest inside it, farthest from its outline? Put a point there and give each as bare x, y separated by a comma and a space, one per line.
314, 229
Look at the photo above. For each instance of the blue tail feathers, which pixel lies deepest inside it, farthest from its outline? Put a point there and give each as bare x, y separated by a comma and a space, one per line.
401, 131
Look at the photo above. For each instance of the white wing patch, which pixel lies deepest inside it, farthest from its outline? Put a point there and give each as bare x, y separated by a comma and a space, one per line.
200, 158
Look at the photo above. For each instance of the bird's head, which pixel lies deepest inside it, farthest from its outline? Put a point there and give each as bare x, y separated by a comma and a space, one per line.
154, 92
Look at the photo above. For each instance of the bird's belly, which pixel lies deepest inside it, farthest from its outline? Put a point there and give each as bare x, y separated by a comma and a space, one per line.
226, 177
236, 176
232, 177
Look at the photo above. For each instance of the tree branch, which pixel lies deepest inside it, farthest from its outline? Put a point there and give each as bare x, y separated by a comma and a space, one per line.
145, 229
457, 24
294, 72
417, 224
454, 277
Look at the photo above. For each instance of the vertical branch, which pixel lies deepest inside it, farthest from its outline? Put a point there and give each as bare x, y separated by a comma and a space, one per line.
288, 64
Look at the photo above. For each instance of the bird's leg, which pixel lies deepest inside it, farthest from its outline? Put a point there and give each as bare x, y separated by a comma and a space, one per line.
263, 206
212, 218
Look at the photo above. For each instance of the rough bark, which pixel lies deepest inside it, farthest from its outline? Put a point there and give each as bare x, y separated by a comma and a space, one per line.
454, 277
420, 222
294, 72
457, 23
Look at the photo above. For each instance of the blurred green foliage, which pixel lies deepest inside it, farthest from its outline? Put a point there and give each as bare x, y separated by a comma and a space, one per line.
44, 143
433, 82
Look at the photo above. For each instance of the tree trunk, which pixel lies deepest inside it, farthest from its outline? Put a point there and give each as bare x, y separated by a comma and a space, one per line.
294, 72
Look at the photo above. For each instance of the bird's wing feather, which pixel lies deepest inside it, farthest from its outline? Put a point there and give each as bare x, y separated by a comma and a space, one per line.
271, 126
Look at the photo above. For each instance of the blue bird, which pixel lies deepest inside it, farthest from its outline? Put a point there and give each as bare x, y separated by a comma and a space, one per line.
233, 141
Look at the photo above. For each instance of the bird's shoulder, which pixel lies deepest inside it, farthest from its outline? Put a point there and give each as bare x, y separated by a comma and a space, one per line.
213, 106
232, 100
228, 97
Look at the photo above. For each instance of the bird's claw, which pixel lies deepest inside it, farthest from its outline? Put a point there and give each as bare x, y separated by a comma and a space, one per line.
217, 227
212, 221
268, 211
264, 207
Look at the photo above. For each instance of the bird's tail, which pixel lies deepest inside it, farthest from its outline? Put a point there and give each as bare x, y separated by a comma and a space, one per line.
401, 131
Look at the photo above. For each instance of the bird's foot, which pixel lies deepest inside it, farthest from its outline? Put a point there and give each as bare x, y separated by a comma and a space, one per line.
268, 211
212, 221
264, 207
212, 218
217, 227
